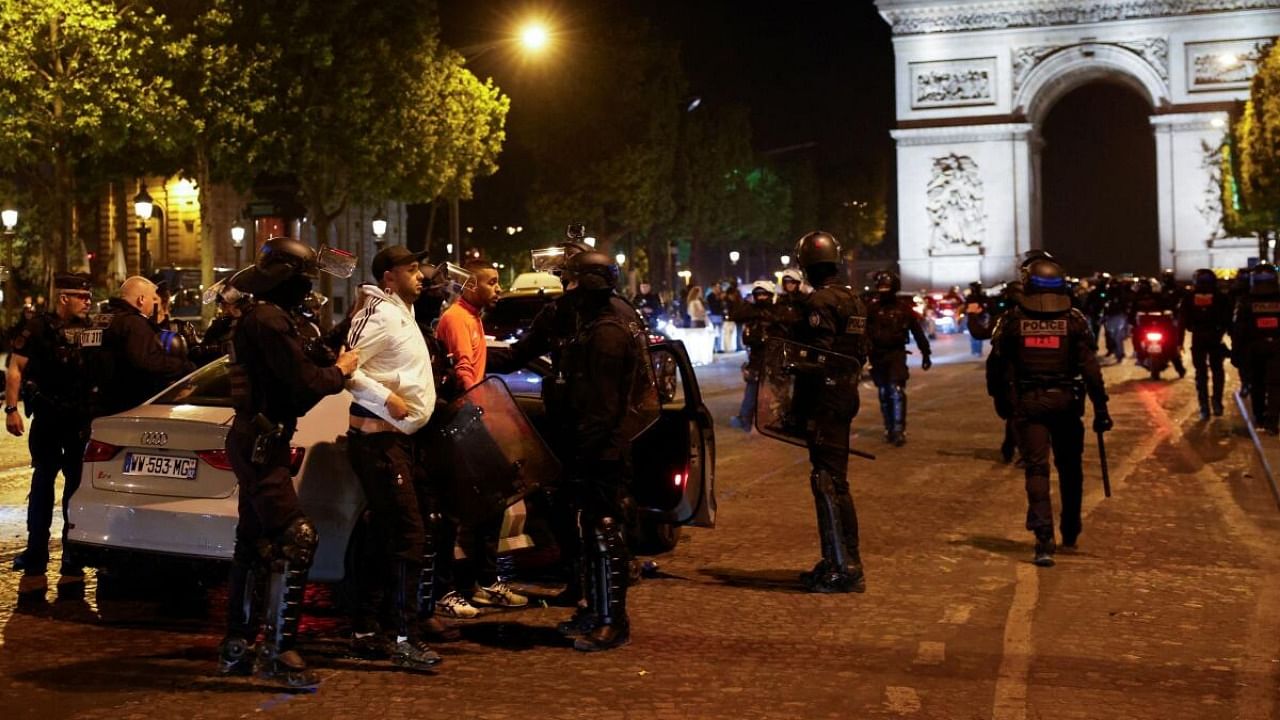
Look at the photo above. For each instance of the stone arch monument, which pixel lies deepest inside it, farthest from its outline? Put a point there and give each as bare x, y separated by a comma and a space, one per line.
977, 78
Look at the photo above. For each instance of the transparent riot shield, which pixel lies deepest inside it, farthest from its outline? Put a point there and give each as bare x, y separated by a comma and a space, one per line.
485, 453
792, 384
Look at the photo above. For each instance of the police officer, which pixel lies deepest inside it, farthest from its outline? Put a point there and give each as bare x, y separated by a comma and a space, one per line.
273, 383
1206, 314
834, 319
47, 370
1256, 338
603, 366
1042, 363
759, 321
134, 363
889, 320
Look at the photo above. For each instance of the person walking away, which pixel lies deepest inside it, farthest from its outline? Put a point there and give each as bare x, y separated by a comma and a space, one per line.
1255, 337
1206, 314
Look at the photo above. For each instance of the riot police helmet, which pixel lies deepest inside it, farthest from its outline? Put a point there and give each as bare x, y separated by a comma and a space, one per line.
1263, 280
1168, 278
1044, 286
1204, 280
887, 281
593, 270
281, 259
791, 274
762, 290
816, 249
1142, 286
976, 287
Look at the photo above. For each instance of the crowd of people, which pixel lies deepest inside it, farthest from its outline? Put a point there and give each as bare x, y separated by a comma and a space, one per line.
403, 357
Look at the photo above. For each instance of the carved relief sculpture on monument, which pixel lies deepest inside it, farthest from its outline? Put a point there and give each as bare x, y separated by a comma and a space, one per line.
955, 206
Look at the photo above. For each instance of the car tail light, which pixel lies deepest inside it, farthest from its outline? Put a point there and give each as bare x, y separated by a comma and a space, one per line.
216, 458
295, 459
98, 451
679, 479
1155, 336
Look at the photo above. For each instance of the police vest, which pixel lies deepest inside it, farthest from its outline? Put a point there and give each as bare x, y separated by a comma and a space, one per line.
643, 404
850, 317
1266, 317
1205, 313
887, 324
1043, 346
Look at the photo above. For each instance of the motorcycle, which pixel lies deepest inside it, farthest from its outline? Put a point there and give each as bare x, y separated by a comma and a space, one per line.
1155, 339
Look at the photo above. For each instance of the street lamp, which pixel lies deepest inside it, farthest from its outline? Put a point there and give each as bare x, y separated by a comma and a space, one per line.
733, 256
379, 229
621, 259
786, 260
237, 240
590, 241
534, 37
142, 207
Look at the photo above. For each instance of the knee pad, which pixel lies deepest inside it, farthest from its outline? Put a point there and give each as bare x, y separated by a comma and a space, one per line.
298, 542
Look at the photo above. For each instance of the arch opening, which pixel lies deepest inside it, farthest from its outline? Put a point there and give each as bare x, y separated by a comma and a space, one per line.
1098, 179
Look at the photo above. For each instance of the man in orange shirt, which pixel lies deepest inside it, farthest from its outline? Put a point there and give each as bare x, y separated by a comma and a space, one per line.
461, 331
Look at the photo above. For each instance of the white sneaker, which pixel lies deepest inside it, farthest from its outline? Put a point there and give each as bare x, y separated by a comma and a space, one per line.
499, 594
456, 606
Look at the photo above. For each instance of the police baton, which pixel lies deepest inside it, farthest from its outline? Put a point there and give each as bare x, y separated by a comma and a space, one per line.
1106, 474
861, 454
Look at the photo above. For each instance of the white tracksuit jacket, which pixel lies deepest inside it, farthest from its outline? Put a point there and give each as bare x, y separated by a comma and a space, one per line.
393, 358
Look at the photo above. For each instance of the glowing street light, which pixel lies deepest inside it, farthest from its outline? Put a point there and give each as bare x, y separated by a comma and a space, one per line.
143, 206
621, 258
379, 229
733, 256
786, 260
534, 37
237, 240
590, 241
10, 219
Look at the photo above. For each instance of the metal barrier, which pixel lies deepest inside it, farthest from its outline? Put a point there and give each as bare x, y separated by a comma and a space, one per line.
1257, 446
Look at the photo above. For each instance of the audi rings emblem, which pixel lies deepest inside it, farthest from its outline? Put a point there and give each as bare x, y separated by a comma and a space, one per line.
155, 438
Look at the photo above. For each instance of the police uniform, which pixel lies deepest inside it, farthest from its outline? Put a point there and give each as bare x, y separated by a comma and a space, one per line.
134, 363
1041, 366
56, 393
1256, 338
273, 383
1206, 314
759, 319
834, 319
889, 321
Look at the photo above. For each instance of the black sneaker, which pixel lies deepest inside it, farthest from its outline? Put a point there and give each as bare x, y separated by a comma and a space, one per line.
412, 654
1044, 553
286, 669
582, 622
368, 646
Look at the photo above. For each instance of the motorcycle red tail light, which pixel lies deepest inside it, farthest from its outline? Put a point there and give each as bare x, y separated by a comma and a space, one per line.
1155, 336
679, 478
295, 459
98, 451
215, 458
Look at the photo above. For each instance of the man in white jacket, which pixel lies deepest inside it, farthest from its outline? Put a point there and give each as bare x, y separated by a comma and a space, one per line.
394, 396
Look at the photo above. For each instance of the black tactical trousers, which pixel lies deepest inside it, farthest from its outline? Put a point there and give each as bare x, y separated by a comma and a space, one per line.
829, 455
1207, 356
57, 445
1045, 419
1263, 371
268, 502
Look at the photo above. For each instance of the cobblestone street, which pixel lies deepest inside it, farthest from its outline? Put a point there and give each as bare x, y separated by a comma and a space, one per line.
1170, 608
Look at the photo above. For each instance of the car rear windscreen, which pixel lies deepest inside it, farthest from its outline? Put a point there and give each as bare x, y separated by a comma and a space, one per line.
210, 386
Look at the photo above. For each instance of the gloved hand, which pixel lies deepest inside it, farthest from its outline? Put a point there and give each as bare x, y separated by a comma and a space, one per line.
925, 362
1101, 419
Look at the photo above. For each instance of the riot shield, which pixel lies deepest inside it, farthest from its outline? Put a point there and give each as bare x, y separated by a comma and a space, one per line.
792, 382
981, 325
484, 452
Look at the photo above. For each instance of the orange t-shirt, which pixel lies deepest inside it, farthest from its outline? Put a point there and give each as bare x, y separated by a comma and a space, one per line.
462, 334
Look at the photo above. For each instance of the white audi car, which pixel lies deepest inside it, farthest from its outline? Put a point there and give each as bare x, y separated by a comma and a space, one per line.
157, 483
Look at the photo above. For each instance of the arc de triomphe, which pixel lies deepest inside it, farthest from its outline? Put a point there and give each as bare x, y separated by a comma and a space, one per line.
976, 80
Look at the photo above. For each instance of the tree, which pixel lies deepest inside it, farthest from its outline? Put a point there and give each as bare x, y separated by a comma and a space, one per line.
1255, 202
79, 95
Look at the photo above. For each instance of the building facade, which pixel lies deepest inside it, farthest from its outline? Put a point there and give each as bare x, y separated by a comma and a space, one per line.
975, 81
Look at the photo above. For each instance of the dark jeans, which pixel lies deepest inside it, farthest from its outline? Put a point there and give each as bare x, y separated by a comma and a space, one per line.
479, 544
396, 531
747, 411
57, 445
1047, 419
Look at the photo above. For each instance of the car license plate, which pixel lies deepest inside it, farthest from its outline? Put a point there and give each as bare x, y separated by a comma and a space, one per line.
160, 466
1155, 348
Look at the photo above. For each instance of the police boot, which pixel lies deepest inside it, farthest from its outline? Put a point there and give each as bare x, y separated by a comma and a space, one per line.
886, 411
611, 563
849, 529
235, 652
832, 577
1218, 381
1178, 366
277, 661
585, 614
899, 399
403, 649
1202, 396
1045, 548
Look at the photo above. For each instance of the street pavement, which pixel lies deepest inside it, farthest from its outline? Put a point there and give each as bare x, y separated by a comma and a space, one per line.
1169, 609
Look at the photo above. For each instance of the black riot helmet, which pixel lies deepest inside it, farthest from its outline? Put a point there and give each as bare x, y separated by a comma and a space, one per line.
280, 260
1044, 286
887, 281
592, 269
816, 249
1142, 286
1168, 278
976, 287
1204, 280
1263, 280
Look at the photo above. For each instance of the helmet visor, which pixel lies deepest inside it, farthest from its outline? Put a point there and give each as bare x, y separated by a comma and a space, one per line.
338, 263
458, 278
548, 260
211, 293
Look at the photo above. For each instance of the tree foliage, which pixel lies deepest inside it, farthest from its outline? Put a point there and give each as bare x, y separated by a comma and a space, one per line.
1251, 180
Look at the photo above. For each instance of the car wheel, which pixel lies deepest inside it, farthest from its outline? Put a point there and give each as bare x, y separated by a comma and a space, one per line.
658, 536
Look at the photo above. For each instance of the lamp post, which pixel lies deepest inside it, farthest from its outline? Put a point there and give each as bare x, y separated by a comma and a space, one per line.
9, 217
379, 229
786, 261
142, 207
237, 240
